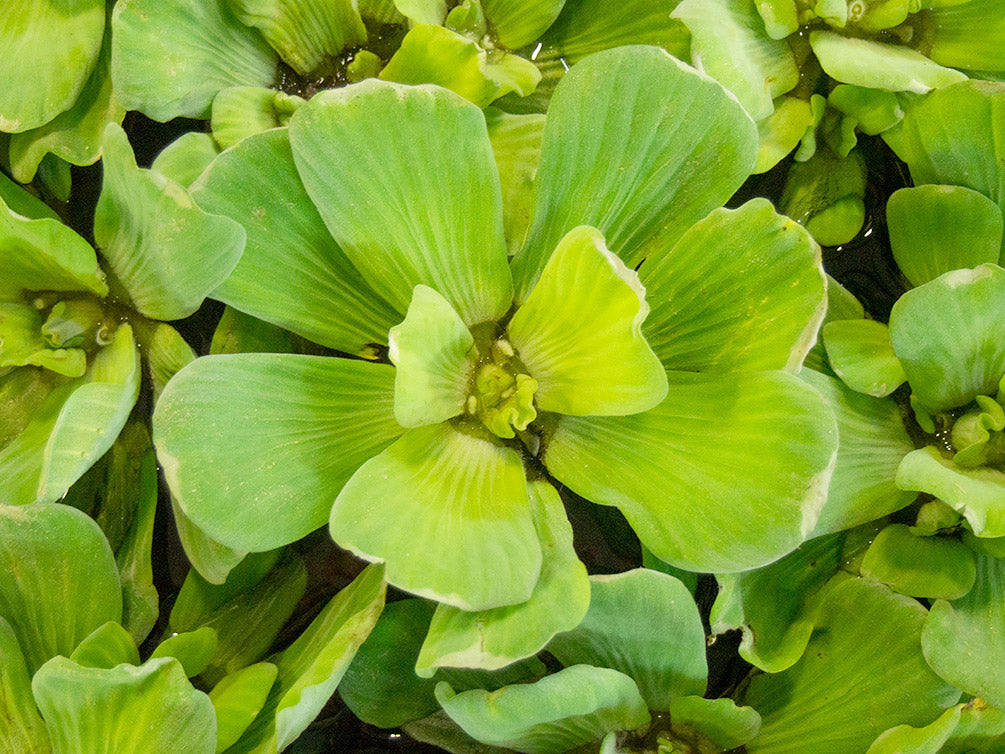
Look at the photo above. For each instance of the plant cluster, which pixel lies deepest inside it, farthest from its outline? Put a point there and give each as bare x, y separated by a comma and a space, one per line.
475, 371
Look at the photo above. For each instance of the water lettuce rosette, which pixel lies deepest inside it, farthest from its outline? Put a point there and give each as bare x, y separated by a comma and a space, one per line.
374, 225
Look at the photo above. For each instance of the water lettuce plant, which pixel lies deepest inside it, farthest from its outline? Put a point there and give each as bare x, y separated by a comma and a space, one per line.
500, 374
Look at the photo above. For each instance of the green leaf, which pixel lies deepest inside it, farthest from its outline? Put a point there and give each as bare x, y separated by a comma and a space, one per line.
168, 253
492, 639
405, 180
49, 51
439, 730
876, 65
757, 306
935, 229
874, 110
193, 649
422, 11
292, 273
734, 48
516, 145
518, 22
75, 134
979, 494
165, 350
92, 416
780, 17
962, 639
947, 335
872, 442
780, 132
719, 720
237, 700
260, 469
774, 605
866, 638
22, 343
61, 582
968, 34
579, 333
861, 354
673, 470
826, 194
199, 600
461, 531
171, 59
105, 647
954, 136
210, 558
561, 711
247, 625
44, 255
645, 624
304, 32
22, 202
242, 111
963, 729
311, 667
430, 352
435, 55
184, 159
930, 567
22, 728
381, 686
152, 707
673, 147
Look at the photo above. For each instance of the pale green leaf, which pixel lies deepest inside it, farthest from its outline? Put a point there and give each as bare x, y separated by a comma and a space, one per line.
674, 471
209, 558
780, 132
780, 17
22, 343
262, 468
731, 43
61, 582
947, 335
75, 134
462, 532
170, 59
862, 673
292, 273
21, 727
422, 11
876, 65
199, 600
492, 639
758, 300
872, 442
23, 202
429, 350
579, 333
563, 710
861, 354
875, 110
152, 707
673, 147
974, 727
978, 494
167, 253
645, 624
49, 50
405, 180
774, 605
935, 229
304, 32
963, 640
